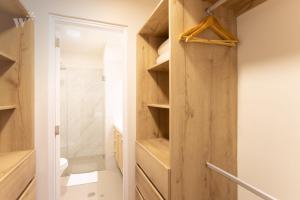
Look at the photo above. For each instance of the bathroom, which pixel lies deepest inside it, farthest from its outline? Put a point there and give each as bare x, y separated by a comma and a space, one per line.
90, 59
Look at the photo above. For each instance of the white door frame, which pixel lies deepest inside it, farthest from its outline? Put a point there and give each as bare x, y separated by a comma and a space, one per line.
52, 78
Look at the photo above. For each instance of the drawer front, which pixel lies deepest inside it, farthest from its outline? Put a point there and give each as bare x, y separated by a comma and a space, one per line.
16, 182
158, 174
147, 190
138, 195
29, 193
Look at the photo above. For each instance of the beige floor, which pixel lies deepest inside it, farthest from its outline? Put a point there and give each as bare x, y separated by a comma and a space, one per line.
108, 187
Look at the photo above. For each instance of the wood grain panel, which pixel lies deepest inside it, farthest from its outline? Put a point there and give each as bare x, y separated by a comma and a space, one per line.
154, 158
144, 185
203, 106
17, 170
10, 45
158, 23
30, 192
138, 195
17, 84
152, 88
25, 95
223, 117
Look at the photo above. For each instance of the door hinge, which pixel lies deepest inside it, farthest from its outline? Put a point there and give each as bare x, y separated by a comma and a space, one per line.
57, 42
56, 130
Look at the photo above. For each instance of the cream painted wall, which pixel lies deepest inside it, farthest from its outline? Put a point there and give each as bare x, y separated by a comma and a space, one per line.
131, 13
269, 99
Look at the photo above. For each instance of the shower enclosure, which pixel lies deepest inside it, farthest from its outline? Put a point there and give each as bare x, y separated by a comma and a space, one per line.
82, 118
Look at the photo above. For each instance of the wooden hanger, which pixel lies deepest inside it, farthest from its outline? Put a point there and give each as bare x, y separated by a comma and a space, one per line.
209, 22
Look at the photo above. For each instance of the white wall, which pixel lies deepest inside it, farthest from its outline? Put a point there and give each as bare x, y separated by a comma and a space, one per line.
131, 13
114, 63
269, 99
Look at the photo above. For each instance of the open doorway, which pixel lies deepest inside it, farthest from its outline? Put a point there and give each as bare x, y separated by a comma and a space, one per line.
90, 67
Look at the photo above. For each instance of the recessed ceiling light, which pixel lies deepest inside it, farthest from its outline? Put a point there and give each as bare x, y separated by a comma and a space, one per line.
74, 33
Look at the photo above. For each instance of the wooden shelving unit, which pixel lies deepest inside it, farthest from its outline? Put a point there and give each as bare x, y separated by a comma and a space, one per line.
199, 81
152, 147
17, 157
162, 67
10, 107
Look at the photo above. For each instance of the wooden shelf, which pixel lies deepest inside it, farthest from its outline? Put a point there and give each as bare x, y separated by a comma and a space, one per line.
162, 67
11, 107
6, 58
163, 106
13, 8
158, 148
158, 23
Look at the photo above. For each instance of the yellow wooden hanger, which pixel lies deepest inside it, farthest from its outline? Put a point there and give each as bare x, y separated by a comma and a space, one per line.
209, 22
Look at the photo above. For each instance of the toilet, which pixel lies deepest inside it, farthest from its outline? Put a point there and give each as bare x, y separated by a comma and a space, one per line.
63, 164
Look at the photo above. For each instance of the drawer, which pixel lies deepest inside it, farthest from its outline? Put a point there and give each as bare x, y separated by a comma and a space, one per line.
152, 157
29, 193
138, 195
18, 175
146, 188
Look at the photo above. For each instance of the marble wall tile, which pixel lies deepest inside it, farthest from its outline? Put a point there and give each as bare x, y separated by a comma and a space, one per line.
82, 112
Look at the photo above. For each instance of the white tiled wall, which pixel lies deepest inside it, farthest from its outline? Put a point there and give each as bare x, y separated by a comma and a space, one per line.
82, 112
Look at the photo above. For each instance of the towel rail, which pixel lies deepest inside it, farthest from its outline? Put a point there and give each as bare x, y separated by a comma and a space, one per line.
240, 182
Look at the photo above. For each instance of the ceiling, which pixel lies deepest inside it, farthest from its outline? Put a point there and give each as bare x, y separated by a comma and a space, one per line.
81, 39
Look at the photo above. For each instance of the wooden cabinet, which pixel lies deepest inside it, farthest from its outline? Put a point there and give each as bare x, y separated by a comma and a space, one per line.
17, 156
146, 188
138, 195
17, 170
153, 109
118, 148
30, 192
153, 157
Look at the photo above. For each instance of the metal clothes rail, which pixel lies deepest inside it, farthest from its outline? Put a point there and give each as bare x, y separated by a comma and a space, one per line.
240, 182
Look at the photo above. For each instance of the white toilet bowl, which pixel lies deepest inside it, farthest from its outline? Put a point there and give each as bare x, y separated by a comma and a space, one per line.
63, 164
